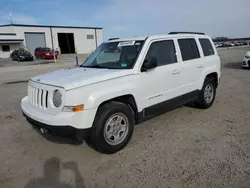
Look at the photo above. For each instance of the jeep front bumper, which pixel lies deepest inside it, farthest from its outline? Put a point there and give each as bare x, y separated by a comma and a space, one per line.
57, 123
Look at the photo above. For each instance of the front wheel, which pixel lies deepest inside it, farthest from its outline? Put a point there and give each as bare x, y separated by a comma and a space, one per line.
113, 127
207, 95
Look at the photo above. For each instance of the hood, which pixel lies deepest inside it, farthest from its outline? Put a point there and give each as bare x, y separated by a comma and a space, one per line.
78, 77
248, 53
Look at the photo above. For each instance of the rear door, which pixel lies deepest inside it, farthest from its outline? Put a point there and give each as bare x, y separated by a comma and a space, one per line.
210, 57
192, 64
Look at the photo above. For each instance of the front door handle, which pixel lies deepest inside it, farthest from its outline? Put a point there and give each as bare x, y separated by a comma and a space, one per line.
175, 71
200, 66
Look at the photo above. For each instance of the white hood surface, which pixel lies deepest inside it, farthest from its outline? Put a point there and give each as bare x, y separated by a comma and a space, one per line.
78, 77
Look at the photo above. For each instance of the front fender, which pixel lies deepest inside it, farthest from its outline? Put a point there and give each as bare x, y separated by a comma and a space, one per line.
105, 94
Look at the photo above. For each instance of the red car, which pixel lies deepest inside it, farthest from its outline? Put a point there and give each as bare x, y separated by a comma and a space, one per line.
44, 53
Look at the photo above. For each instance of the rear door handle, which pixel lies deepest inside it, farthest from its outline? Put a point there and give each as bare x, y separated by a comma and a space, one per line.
175, 71
200, 66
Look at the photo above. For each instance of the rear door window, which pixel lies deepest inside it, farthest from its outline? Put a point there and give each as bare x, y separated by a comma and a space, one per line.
207, 47
189, 49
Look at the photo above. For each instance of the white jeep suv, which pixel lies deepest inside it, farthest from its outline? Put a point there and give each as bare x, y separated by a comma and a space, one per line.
124, 82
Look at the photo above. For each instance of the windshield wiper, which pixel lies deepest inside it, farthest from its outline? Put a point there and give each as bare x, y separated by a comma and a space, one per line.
94, 66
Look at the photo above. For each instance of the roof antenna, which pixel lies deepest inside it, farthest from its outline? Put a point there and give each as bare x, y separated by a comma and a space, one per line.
11, 22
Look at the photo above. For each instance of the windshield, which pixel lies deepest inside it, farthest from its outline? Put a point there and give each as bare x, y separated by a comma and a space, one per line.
114, 55
23, 52
47, 49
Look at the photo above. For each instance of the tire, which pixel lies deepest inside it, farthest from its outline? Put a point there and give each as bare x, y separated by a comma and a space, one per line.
36, 57
113, 111
245, 68
202, 101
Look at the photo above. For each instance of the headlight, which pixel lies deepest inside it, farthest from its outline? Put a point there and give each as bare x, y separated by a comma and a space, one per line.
247, 56
57, 98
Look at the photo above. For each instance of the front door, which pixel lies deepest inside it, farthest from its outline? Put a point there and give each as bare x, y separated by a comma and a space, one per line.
163, 82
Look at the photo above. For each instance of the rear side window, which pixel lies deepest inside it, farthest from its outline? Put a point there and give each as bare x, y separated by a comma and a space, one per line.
163, 51
207, 47
189, 49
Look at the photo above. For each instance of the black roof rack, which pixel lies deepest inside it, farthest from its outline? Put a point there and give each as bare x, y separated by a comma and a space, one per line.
113, 39
177, 32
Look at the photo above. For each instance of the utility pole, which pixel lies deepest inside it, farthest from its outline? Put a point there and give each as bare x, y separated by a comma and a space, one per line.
11, 18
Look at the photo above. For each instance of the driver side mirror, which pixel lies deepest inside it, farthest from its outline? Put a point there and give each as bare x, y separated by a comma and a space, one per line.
149, 63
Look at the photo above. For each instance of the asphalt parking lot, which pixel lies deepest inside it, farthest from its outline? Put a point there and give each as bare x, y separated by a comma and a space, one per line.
7, 62
186, 147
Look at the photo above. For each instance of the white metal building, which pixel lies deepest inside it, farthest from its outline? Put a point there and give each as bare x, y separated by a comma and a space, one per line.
67, 38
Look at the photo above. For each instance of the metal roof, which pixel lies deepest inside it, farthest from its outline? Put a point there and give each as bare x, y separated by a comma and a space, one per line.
53, 26
10, 41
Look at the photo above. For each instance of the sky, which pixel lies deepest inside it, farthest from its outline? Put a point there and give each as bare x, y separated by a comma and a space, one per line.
125, 18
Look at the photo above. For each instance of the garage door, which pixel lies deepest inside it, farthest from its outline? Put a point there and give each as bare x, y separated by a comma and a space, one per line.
34, 40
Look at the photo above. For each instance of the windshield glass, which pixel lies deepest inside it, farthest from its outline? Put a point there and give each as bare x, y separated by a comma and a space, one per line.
47, 49
114, 55
23, 52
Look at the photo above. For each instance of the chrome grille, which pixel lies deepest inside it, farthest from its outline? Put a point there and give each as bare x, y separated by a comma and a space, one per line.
38, 97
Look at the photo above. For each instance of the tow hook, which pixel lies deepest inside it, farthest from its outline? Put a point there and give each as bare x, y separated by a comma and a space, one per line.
43, 131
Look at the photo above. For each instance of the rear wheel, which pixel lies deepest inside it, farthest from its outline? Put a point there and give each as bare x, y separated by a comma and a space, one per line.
207, 94
113, 127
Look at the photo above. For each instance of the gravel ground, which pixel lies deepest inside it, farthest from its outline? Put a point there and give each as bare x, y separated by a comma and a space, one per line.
186, 147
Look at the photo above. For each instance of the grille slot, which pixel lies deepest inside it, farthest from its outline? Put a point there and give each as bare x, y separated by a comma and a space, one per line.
46, 100
41, 99
38, 97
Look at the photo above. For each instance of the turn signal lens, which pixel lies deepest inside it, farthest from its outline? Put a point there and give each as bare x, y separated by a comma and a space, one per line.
77, 108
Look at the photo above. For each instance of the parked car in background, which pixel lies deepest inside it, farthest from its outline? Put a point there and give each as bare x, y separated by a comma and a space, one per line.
44, 53
217, 45
13, 52
226, 44
244, 43
21, 55
246, 60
